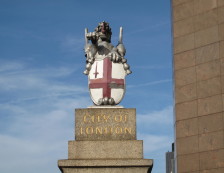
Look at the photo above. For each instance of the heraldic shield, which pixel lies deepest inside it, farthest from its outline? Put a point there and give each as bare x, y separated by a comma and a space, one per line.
106, 82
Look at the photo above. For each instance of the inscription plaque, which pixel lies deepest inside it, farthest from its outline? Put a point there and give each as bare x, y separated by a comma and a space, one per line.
109, 124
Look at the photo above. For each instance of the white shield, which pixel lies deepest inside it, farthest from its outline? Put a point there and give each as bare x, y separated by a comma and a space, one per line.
107, 80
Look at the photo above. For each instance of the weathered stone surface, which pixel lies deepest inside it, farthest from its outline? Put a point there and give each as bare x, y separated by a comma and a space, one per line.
199, 103
221, 50
113, 151
209, 87
201, 6
212, 159
185, 76
106, 166
221, 31
187, 145
187, 127
207, 53
129, 149
186, 93
184, 60
183, 27
206, 20
222, 82
207, 36
105, 124
107, 170
211, 141
208, 70
183, 43
222, 64
221, 14
105, 162
210, 105
220, 2
186, 110
188, 163
210, 123
216, 170
183, 11
100, 151
223, 105
178, 2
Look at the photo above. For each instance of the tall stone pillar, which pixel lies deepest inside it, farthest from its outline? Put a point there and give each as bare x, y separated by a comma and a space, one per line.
198, 34
105, 141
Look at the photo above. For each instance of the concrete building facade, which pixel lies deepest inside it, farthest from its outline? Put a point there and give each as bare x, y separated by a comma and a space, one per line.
198, 48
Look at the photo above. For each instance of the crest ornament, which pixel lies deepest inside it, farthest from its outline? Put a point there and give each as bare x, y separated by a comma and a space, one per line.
106, 66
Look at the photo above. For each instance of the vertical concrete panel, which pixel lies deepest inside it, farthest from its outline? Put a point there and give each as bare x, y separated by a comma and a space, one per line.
198, 34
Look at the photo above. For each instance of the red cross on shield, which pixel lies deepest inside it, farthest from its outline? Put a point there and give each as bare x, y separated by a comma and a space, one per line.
107, 79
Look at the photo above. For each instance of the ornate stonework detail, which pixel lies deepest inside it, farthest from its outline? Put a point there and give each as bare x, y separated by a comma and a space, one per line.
106, 66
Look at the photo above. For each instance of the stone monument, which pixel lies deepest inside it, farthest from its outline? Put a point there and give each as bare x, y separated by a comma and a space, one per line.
105, 134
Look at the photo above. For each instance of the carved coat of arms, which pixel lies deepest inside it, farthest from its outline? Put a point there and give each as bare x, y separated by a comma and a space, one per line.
106, 66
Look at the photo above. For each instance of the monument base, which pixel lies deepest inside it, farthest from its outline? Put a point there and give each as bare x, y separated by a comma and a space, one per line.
105, 143
106, 166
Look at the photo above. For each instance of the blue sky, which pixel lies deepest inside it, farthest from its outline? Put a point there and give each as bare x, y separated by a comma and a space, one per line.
41, 80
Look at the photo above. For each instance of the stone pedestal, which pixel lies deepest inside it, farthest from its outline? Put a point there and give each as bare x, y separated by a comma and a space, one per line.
105, 141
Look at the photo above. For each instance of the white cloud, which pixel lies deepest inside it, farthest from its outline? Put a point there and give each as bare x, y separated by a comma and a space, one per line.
72, 44
155, 146
150, 83
36, 135
161, 117
28, 155
6, 67
155, 143
30, 83
37, 116
151, 67
148, 27
155, 129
